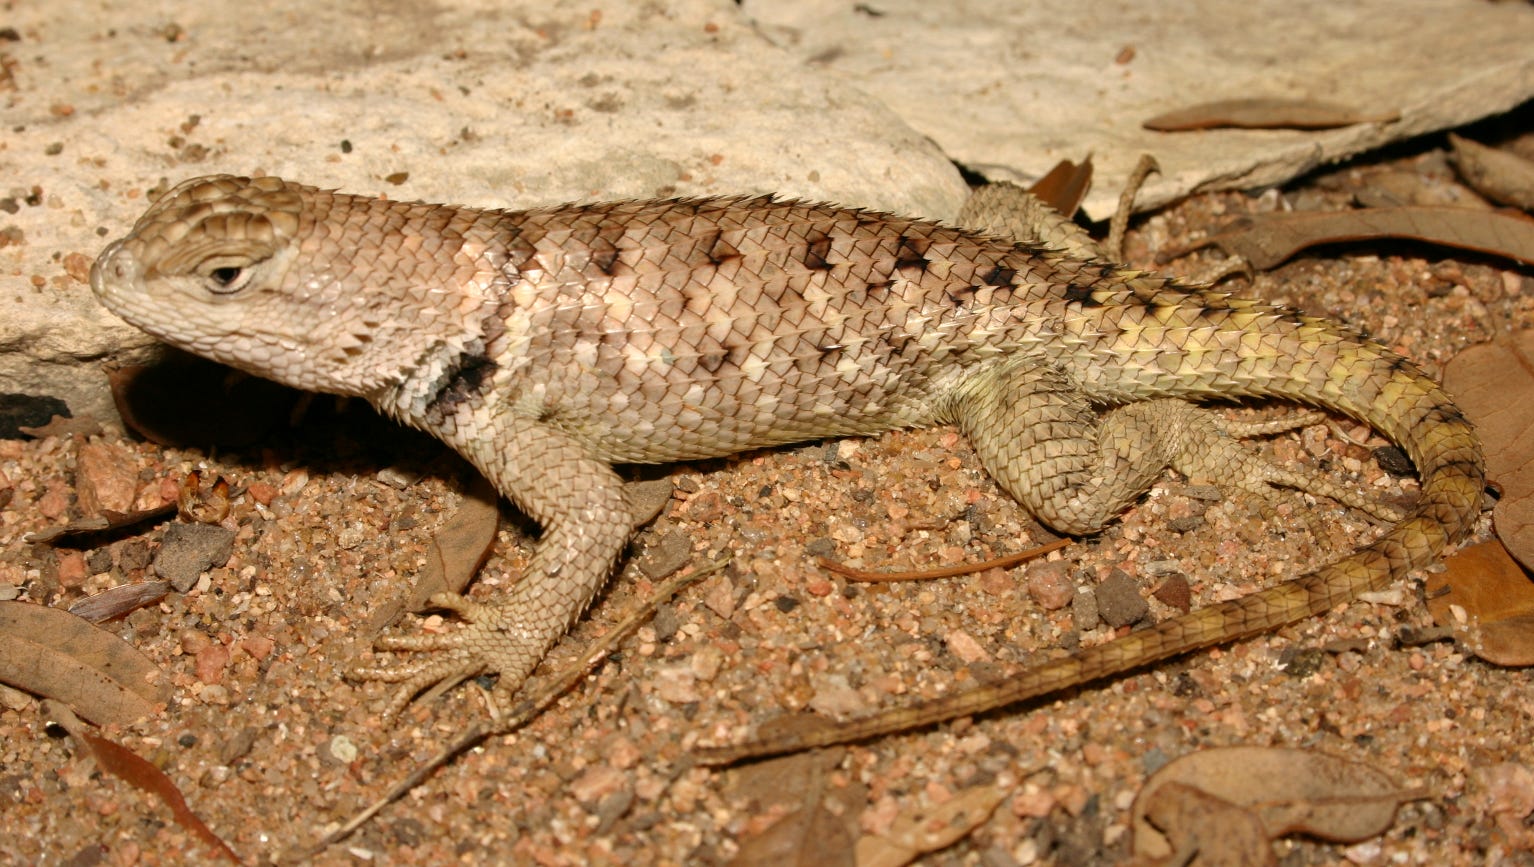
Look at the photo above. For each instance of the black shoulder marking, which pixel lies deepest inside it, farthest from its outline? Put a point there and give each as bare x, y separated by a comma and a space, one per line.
911, 254
463, 381
817, 249
1081, 295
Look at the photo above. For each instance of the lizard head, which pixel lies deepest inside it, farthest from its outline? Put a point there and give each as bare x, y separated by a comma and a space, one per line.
311, 288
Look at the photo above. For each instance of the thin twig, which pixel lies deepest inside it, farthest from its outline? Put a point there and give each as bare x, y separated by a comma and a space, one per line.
1006, 562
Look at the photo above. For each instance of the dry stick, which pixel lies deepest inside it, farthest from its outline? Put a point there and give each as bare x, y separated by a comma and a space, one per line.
1113, 247
526, 709
1006, 562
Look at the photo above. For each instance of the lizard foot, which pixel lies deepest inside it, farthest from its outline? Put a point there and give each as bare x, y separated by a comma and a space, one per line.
479, 646
1211, 451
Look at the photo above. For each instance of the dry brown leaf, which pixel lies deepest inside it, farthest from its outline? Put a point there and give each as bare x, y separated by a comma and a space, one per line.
1493, 384
463, 543
1498, 175
1064, 186
811, 832
52, 653
1206, 831
1260, 113
458, 550
86, 529
811, 837
1266, 240
1488, 599
788, 781
646, 499
63, 426
915, 834
1289, 791
123, 763
120, 600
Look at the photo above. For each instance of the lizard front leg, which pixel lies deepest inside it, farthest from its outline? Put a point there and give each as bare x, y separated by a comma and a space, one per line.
580, 503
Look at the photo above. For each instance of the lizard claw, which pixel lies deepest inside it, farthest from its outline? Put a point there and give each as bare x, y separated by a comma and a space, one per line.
454, 657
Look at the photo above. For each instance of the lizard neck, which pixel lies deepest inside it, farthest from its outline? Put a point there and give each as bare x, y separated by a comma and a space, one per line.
460, 338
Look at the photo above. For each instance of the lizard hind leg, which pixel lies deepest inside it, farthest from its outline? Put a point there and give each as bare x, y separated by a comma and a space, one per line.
1075, 467
1047, 445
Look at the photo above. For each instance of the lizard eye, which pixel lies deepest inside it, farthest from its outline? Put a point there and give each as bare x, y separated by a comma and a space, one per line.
227, 280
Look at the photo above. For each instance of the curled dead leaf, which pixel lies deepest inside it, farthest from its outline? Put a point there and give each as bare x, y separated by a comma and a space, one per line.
1493, 384
1488, 600
199, 505
915, 834
1286, 790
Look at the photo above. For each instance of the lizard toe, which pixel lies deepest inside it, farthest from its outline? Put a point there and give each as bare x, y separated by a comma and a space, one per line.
435, 673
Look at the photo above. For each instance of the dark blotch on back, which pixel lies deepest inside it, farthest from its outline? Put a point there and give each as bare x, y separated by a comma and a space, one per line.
962, 296
1445, 414
520, 249
713, 362
719, 251
911, 254
1001, 276
605, 258
1081, 295
817, 250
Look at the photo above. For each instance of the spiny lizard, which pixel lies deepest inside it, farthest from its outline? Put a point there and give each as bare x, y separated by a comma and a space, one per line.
547, 344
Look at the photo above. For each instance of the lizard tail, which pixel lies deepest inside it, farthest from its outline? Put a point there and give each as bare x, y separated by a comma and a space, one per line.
1346, 373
